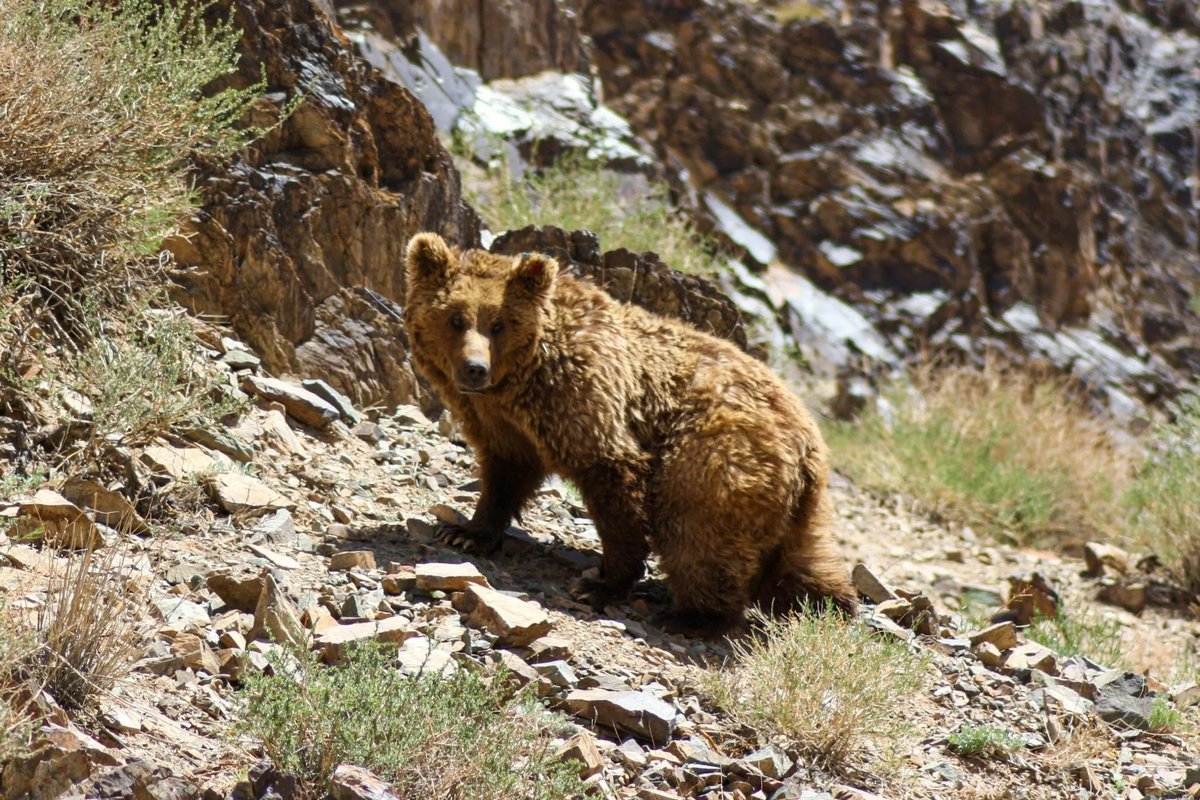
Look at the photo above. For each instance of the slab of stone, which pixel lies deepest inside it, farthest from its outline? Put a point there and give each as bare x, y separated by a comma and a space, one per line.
108, 507
515, 622
181, 613
582, 749
1003, 635
223, 442
355, 783
352, 559
195, 653
639, 713
179, 463
335, 398
770, 761
1101, 557
56, 520
436, 576
299, 402
334, 640
276, 616
870, 585
1030, 656
239, 591
280, 560
421, 656
237, 492
1129, 595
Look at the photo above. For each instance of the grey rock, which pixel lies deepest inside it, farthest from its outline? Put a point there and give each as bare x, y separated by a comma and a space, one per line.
639, 713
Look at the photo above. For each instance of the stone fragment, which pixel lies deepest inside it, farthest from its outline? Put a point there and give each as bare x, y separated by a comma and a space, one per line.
195, 653
770, 761
398, 582
334, 398
280, 560
436, 576
582, 748
281, 435
519, 672
182, 613
1122, 698
178, 463
516, 622
352, 559
1029, 656
355, 783
1100, 557
241, 359
1185, 695
108, 507
237, 591
421, 656
1130, 595
547, 648
222, 441
335, 640
275, 615
1032, 597
558, 673
1003, 635
639, 713
237, 492
56, 520
299, 402
989, 655
869, 585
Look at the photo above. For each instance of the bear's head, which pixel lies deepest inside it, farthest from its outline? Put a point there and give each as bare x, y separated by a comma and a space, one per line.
474, 318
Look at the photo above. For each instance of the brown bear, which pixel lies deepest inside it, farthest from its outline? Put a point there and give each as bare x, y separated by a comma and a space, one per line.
679, 442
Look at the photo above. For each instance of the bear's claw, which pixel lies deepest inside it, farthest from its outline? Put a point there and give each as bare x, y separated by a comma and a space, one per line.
467, 537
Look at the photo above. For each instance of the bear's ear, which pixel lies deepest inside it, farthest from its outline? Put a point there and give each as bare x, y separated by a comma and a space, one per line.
428, 257
535, 273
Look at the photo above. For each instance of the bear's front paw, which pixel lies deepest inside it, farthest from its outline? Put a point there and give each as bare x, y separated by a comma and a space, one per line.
468, 537
596, 592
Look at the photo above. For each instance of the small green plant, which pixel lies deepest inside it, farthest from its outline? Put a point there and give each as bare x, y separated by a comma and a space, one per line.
1006, 452
578, 193
455, 737
984, 740
826, 683
1164, 502
1068, 635
1163, 717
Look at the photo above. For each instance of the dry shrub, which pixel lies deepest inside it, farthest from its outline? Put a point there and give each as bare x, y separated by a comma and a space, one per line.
1009, 452
88, 633
822, 682
15, 647
101, 104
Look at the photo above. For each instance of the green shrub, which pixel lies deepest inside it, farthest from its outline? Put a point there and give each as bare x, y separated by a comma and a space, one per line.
577, 193
1164, 717
102, 106
456, 737
984, 740
1006, 452
1164, 500
822, 682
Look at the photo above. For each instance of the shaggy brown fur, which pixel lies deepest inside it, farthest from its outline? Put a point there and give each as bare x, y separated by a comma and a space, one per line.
679, 442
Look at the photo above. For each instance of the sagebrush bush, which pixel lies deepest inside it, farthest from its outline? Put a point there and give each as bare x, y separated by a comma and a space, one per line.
579, 193
451, 738
101, 105
820, 682
1164, 500
984, 740
1002, 450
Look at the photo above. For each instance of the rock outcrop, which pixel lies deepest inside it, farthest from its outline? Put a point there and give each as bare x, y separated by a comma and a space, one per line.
300, 242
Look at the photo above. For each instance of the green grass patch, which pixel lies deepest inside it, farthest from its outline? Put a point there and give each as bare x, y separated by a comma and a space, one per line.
1007, 453
984, 740
578, 193
1164, 499
823, 683
1163, 717
1096, 638
455, 737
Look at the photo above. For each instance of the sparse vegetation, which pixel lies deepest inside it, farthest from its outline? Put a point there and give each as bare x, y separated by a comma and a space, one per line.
87, 635
1003, 451
806, 10
820, 682
1068, 635
14, 647
456, 737
1164, 717
1164, 500
984, 740
576, 192
102, 105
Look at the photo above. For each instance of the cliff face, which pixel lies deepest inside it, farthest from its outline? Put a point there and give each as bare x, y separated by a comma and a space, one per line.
300, 243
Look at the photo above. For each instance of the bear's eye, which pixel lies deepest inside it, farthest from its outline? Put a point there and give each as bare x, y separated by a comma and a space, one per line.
497, 326
458, 322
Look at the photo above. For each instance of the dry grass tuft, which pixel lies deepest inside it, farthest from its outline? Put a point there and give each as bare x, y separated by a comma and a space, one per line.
1007, 452
88, 634
826, 684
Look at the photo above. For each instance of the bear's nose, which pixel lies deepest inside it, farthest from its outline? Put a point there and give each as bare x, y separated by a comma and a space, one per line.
476, 372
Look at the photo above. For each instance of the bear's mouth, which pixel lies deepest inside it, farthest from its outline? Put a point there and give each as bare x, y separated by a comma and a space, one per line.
473, 390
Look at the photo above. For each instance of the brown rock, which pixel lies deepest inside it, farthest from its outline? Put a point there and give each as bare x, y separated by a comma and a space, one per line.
276, 615
1002, 635
1129, 595
302, 404
516, 622
240, 592
1031, 655
108, 507
1099, 556
195, 653
448, 577
582, 748
59, 521
352, 559
237, 492
639, 713
179, 463
1032, 597
869, 585
355, 783
333, 641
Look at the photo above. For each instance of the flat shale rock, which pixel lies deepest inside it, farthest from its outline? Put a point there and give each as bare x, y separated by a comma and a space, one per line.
302, 404
334, 640
276, 615
355, 783
639, 713
237, 492
178, 463
516, 622
448, 577
60, 522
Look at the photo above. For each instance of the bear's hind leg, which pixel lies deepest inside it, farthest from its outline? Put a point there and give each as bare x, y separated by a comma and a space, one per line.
710, 588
